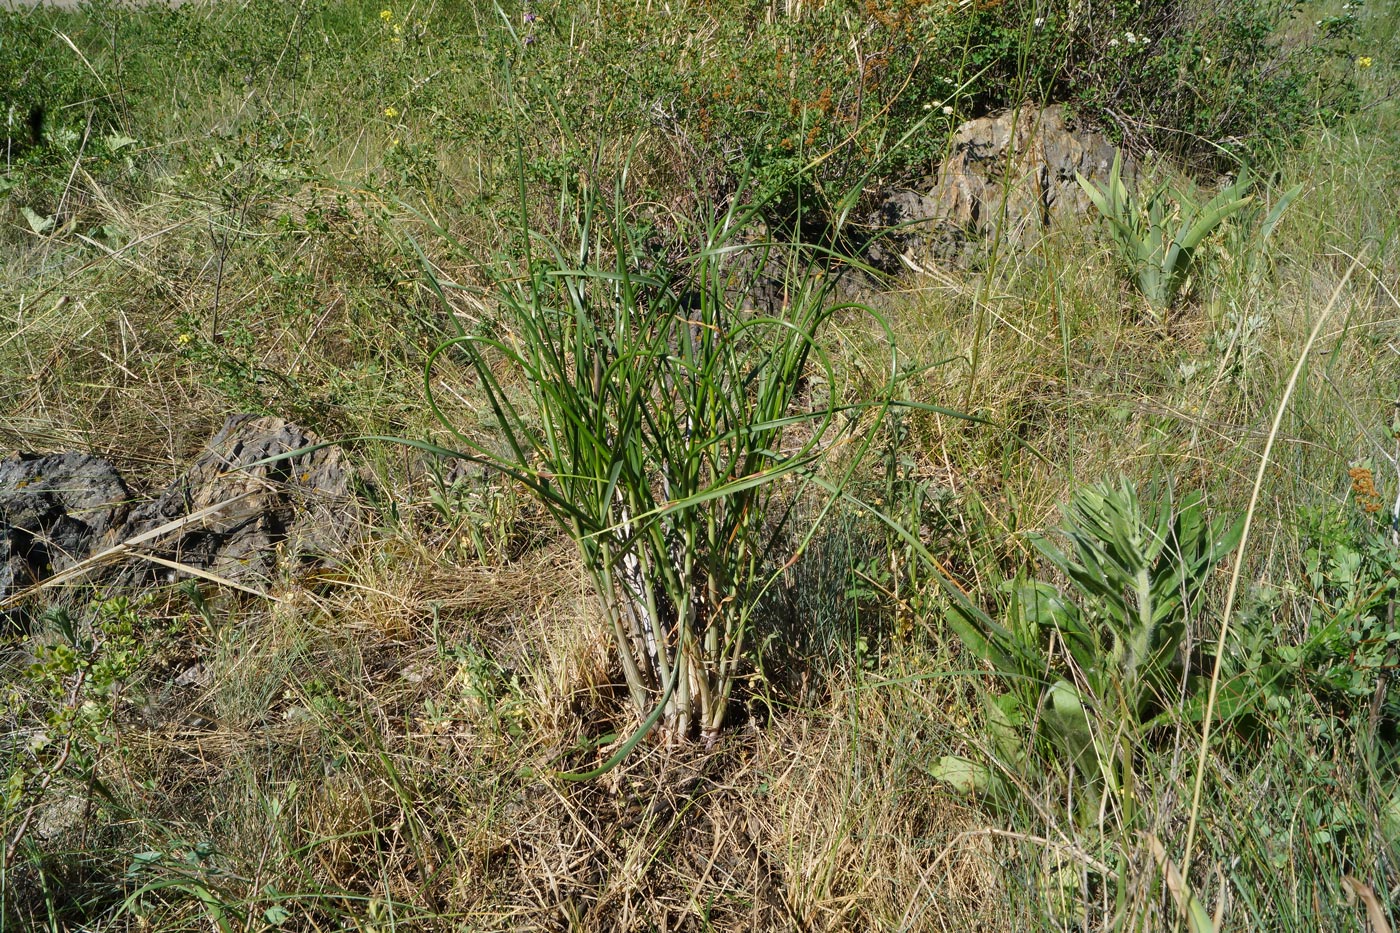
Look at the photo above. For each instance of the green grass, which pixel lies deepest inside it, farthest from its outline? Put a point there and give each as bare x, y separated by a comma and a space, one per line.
368, 752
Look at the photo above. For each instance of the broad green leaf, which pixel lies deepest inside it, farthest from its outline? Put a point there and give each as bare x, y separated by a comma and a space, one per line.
39, 225
990, 647
1266, 229
1236, 697
1099, 199
1067, 715
1209, 220
964, 776
1006, 724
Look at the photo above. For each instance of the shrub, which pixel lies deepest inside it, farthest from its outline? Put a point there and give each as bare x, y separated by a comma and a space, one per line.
45, 90
835, 83
67, 708
1213, 83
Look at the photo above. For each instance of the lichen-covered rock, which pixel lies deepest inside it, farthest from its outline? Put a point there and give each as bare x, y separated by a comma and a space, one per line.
1011, 174
911, 233
280, 515
53, 508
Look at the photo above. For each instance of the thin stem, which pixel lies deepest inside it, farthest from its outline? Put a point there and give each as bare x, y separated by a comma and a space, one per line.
1207, 720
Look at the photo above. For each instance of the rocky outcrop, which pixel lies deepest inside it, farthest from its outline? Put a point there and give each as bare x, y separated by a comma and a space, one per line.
231, 514
909, 233
53, 508
1011, 174
277, 515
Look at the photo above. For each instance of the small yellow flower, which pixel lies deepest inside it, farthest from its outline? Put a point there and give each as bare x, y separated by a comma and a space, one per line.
390, 112
1364, 62
394, 143
386, 15
398, 30
184, 339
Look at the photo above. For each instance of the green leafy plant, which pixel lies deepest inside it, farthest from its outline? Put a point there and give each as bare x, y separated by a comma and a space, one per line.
69, 722
1311, 662
190, 874
1336, 669
1089, 668
483, 515
1160, 260
1254, 230
654, 419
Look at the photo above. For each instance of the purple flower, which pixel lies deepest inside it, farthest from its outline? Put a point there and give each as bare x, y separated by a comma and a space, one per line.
529, 17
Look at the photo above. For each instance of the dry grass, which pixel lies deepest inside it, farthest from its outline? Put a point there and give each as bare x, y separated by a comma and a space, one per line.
369, 751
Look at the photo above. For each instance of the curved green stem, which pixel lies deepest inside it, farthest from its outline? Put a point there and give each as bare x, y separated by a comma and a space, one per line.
617, 757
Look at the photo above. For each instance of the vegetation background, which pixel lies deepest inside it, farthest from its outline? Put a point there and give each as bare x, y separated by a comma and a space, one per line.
248, 206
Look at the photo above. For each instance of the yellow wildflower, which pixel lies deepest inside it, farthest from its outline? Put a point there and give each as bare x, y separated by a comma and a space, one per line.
390, 112
386, 15
1364, 62
184, 339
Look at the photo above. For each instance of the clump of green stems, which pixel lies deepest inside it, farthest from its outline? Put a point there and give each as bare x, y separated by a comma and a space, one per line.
1159, 259
664, 427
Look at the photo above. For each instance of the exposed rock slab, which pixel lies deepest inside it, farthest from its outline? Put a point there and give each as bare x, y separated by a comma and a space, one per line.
69, 517
1010, 174
53, 509
279, 515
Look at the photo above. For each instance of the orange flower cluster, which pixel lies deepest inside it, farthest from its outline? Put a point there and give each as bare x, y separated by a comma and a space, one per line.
1363, 487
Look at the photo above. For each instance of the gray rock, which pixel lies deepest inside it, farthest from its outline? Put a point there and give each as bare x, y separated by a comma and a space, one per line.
282, 515
912, 233
53, 509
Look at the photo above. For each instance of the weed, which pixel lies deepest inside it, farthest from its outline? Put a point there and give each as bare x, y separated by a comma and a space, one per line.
656, 430
1086, 675
1158, 259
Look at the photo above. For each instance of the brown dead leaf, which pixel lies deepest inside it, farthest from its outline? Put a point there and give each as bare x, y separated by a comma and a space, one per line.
1376, 919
